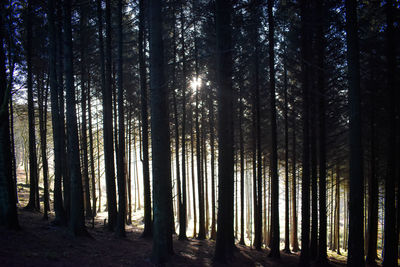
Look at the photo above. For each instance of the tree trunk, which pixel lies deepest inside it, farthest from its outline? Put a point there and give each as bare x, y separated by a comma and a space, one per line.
322, 254
61, 99
305, 187
42, 102
356, 208
391, 235
193, 179
107, 120
8, 205
212, 152
76, 220
33, 203
60, 216
337, 211
91, 153
225, 239
373, 189
295, 241
160, 136
120, 229
147, 232
287, 242
85, 163
275, 240
242, 166
182, 214
200, 182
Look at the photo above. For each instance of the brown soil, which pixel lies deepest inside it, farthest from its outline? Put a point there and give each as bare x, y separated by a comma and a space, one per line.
39, 243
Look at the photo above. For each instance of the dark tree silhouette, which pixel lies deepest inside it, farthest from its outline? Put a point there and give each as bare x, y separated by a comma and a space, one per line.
33, 203
224, 246
160, 136
76, 220
8, 205
356, 203
60, 217
145, 135
120, 229
107, 123
305, 187
275, 238
391, 235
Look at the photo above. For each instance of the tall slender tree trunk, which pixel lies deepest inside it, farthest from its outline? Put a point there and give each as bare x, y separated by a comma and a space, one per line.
322, 254
337, 213
147, 232
107, 121
160, 136
91, 153
61, 99
33, 203
305, 187
295, 240
193, 179
84, 74
98, 158
391, 234
121, 174
314, 178
60, 216
200, 184
76, 220
257, 163
42, 102
242, 166
373, 188
8, 205
275, 240
183, 211
356, 207
225, 239
213, 234
287, 242
129, 172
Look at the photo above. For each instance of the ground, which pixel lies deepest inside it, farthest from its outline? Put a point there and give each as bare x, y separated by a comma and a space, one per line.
40, 243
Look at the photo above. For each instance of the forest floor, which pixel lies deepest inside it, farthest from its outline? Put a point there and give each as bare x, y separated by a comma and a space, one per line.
40, 243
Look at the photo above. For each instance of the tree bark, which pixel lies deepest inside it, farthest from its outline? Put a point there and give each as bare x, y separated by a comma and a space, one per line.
76, 220
356, 207
8, 205
121, 175
147, 232
33, 203
322, 243
107, 119
42, 102
391, 235
182, 214
83, 51
285, 82
60, 216
275, 240
160, 136
305, 187
225, 239
295, 240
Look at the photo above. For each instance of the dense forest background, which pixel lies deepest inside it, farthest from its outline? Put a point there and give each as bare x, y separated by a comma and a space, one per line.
270, 124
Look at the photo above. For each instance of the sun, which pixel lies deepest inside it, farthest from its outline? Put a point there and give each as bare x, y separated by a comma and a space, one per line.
195, 83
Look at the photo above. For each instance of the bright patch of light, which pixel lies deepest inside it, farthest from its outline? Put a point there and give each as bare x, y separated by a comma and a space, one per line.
195, 83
